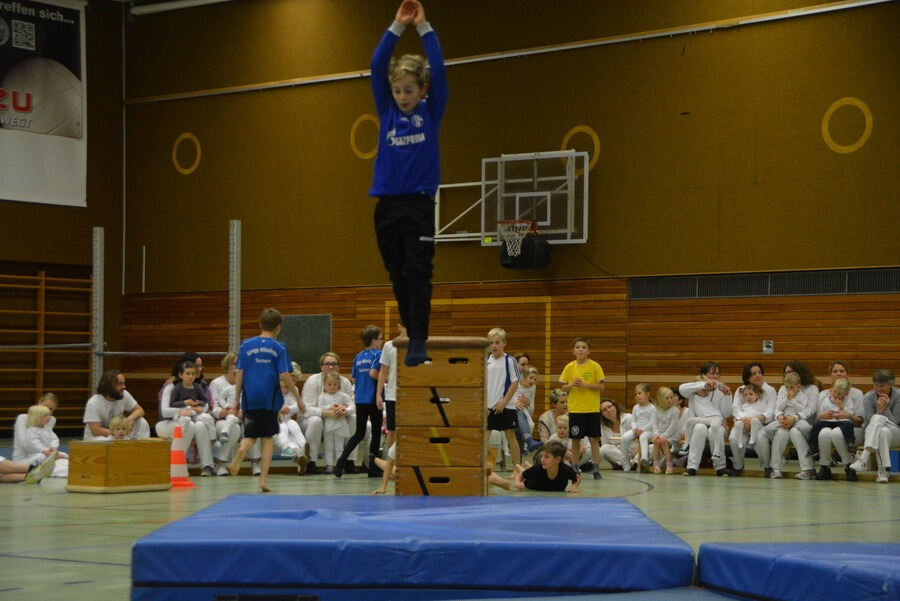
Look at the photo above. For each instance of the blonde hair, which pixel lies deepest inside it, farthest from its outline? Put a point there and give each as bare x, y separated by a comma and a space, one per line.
296, 372
499, 332
562, 420
120, 421
35, 414
332, 376
228, 359
791, 379
643, 386
530, 371
662, 394
49, 396
841, 386
409, 64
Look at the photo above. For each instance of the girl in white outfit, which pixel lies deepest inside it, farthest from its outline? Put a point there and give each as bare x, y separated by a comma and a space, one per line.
751, 414
667, 414
613, 422
290, 440
40, 442
793, 410
710, 401
643, 415
525, 407
337, 410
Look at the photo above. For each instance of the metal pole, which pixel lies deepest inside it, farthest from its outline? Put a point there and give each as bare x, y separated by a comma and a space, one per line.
97, 307
234, 284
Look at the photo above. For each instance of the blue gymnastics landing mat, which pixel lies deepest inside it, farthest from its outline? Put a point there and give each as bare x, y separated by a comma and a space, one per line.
350, 547
801, 571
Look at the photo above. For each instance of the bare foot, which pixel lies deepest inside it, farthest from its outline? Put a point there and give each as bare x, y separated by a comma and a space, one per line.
500, 482
264, 488
234, 470
378, 491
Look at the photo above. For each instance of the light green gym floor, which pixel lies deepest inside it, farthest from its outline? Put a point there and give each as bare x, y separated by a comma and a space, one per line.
60, 545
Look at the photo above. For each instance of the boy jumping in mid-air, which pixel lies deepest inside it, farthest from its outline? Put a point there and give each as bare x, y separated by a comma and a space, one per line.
407, 168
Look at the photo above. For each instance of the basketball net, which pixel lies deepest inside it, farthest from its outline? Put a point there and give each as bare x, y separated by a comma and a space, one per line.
512, 232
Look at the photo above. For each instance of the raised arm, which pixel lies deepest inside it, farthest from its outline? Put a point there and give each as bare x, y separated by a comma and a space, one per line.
381, 59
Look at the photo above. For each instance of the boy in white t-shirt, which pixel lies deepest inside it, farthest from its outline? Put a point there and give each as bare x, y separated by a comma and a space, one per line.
386, 389
502, 382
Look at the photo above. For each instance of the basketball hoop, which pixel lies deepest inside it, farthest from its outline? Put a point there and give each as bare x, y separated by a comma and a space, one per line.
513, 231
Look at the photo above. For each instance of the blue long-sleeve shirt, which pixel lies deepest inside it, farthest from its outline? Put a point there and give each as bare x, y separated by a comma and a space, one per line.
408, 160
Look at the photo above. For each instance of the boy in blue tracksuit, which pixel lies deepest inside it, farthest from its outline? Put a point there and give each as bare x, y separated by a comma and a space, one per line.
407, 168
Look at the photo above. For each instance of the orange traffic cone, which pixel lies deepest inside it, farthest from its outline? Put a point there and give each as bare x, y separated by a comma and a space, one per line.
178, 473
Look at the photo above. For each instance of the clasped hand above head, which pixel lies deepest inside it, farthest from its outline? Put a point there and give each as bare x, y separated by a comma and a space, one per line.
410, 11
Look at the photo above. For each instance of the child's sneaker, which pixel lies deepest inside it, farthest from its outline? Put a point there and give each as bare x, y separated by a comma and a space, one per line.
223, 437
328, 470
255, 469
716, 456
597, 475
882, 477
42, 470
776, 474
645, 462
751, 446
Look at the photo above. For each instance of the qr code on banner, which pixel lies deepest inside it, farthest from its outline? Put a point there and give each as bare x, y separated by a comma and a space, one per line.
23, 35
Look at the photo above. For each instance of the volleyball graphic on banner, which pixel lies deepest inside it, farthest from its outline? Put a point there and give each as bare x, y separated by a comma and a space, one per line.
42, 96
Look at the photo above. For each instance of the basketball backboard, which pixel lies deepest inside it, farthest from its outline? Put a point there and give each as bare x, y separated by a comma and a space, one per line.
550, 188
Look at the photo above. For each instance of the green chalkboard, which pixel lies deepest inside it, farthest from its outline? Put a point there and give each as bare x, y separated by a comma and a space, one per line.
306, 338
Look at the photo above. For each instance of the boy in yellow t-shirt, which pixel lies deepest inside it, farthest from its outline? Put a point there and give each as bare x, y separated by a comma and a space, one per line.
583, 380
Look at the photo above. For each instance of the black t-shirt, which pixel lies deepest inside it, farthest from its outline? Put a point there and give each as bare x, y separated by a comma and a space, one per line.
536, 478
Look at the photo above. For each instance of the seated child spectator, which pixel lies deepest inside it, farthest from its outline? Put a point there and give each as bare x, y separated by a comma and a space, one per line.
338, 411
525, 407
48, 400
562, 436
667, 414
551, 474
644, 428
40, 442
290, 440
189, 399
120, 428
751, 414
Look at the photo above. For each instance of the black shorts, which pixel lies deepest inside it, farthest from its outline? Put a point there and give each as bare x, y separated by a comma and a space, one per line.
584, 424
260, 423
390, 409
503, 421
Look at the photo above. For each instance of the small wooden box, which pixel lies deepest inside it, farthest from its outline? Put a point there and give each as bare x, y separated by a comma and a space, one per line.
119, 465
441, 406
441, 481
442, 447
455, 361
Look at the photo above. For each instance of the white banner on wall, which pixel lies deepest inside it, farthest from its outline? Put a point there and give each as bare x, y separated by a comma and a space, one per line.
43, 109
